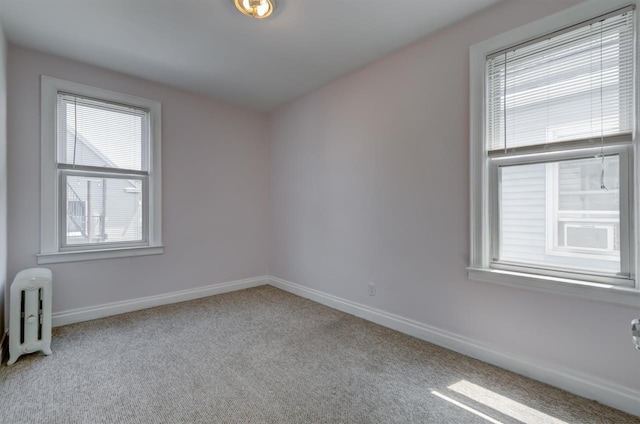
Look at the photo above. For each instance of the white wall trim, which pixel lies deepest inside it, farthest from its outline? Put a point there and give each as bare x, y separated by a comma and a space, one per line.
51, 210
587, 386
605, 392
90, 255
116, 308
601, 292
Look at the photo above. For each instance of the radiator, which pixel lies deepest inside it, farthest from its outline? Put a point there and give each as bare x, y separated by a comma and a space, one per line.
30, 313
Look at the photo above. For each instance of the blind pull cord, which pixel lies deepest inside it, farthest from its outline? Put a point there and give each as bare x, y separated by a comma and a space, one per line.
602, 185
505, 103
591, 37
75, 128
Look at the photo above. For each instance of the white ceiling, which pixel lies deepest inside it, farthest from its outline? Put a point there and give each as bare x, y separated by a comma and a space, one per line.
209, 47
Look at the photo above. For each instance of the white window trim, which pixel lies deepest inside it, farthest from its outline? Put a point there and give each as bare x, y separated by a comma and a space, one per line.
480, 225
50, 251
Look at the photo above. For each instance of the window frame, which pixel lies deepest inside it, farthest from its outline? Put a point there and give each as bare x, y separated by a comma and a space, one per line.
554, 215
53, 246
483, 174
626, 209
64, 245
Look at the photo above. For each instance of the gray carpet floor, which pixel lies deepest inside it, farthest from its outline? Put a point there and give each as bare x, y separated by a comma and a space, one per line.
265, 356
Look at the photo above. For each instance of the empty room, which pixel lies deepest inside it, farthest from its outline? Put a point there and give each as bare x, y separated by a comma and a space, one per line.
319, 211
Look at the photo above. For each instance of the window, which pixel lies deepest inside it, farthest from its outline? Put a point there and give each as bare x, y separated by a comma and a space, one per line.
555, 215
584, 218
553, 153
100, 173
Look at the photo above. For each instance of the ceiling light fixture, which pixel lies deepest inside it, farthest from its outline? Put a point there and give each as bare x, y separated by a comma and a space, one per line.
258, 9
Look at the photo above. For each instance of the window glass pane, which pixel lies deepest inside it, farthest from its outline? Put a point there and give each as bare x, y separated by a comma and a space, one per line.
95, 133
103, 210
562, 214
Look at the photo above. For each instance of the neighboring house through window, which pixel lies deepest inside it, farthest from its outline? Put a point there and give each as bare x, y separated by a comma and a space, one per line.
101, 173
554, 156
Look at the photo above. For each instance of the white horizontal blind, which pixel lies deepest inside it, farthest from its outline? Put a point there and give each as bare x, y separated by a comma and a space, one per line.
101, 134
572, 85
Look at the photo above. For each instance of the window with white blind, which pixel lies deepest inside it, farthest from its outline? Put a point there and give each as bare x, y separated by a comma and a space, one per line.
101, 173
553, 151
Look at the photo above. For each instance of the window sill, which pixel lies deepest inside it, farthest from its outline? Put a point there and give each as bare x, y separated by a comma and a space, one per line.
594, 291
89, 255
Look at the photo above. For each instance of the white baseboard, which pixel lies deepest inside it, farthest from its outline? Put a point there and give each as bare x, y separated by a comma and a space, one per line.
583, 385
115, 308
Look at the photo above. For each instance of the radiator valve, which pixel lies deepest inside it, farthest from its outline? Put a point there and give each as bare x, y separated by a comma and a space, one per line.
635, 332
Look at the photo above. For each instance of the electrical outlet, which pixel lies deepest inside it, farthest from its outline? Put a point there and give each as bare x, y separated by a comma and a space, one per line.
372, 289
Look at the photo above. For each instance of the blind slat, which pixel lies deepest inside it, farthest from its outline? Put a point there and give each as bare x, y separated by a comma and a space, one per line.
100, 134
574, 85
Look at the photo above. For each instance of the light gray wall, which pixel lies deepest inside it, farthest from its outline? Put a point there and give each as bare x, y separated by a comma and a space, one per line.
369, 182
215, 159
3, 183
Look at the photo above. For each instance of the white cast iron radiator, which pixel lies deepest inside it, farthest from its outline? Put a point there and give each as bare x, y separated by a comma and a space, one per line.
30, 326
